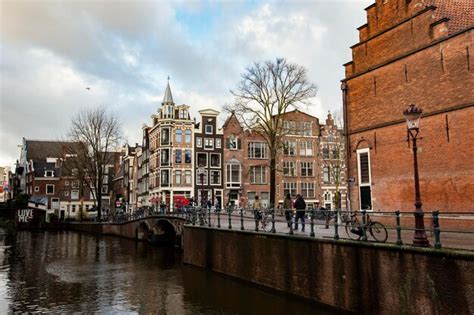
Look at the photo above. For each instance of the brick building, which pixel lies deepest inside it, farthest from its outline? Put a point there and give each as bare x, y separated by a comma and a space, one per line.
300, 162
421, 53
209, 151
171, 153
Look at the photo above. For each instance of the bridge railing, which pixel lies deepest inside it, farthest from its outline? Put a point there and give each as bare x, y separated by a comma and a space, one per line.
443, 229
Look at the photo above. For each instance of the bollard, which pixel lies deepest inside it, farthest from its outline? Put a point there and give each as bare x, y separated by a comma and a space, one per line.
291, 223
437, 230
336, 225
364, 226
242, 219
219, 219
312, 223
230, 222
256, 219
273, 221
399, 229
209, 219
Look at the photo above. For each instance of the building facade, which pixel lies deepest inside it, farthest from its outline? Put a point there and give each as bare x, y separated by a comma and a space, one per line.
5, 193
171, 153
209, 152
411, 52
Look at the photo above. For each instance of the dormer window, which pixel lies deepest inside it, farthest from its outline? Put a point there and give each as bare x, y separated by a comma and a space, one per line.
49, 174
209, 129
183, 114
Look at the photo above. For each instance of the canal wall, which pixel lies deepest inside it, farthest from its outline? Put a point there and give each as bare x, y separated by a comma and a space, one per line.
366, 278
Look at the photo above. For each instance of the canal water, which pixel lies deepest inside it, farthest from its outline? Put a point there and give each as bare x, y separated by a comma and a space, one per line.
64, 272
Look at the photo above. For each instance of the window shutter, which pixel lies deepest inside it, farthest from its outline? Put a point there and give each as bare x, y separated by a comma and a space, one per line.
239, 144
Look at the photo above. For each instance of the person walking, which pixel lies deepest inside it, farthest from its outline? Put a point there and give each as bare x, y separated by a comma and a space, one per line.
257, 206
287, 205
300, 206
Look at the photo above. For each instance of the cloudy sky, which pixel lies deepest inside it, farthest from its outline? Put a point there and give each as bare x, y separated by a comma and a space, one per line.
51, 51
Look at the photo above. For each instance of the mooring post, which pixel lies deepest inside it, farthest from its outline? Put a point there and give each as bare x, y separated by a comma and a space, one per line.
364, 226
437, 230
399, 228
311, 234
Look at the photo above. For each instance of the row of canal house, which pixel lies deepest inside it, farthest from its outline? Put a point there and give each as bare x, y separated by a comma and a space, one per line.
228, 165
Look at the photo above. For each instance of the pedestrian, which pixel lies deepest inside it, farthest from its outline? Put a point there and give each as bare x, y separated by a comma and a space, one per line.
287, 205
257, 206
300, 206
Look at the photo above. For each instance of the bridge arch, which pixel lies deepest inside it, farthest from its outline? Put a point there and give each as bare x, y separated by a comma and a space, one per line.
162, 232
142, 231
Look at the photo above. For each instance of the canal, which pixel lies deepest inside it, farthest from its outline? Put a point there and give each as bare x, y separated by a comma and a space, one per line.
64, 272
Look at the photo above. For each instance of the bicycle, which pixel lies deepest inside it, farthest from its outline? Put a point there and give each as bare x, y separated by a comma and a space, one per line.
265, 219
376, 229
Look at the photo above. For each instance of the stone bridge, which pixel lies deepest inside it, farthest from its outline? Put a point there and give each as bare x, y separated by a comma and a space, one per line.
160, 229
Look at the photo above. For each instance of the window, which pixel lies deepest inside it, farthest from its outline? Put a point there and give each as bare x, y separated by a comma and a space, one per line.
187, 156
306, 148
208, 144
177, 177
165, 178
335, 154
258, 174
73, 208
289, 169
209, 129
257, 150
364, 173
289, 127
306, 169
179, 157
232, 143
328, 200
66, 193
187, 136
165, 157
37, 188
307, 190
49, 174
326, 153
265, 198
183, 114
215, 177
289, 188
218, 143
215, 160
75, 184
326, 176
233, 175
187, 177
199, 142
104, 190
74, 194
179, 135
289, 148
165, 136
49, 189
201, 177
306, 129
202, 159
66, 183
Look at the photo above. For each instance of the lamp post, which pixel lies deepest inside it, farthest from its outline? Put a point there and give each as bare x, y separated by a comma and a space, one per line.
412, 115
201, 171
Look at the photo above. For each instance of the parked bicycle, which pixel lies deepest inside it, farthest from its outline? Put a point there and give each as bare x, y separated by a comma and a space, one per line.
354, 229
264, 219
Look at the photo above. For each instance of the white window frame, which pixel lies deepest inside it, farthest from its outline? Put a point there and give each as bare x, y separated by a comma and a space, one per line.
210, 160
37, 189
307, 166
186, 174
178, 176
218, 143
305, 188
205, 177
263, 173
74, 194
199, 142
290, 148
369, 184
251, 150
197, 159
229, 170
304, 149
211, 177
292, 187
209, 132
290, 165
208, 141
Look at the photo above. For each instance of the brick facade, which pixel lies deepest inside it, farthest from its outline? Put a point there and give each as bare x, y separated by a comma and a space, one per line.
419, 54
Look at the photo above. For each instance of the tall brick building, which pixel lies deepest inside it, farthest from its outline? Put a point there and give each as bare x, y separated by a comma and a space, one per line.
418, 52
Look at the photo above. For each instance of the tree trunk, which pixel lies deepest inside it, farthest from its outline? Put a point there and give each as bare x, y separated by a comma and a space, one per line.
273, 181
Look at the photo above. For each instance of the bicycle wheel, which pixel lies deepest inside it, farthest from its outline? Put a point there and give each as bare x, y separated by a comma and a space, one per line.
378, 232
351, 226
267, 224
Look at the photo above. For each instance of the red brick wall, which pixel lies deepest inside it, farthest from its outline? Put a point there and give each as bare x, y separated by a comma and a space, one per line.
439, 79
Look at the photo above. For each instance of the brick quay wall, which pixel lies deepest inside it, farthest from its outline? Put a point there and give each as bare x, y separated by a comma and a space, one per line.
362, 277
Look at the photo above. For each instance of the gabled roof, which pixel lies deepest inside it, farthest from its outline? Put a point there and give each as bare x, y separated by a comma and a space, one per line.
459, 12
209, 112
300, 112
41, 149
228, 120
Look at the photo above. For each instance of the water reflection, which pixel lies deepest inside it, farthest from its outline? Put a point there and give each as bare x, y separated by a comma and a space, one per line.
73, 272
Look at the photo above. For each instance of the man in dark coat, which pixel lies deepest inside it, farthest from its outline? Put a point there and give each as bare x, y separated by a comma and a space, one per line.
300, 206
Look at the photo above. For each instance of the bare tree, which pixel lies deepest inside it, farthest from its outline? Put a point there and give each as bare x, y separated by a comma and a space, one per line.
265, 93
96, 133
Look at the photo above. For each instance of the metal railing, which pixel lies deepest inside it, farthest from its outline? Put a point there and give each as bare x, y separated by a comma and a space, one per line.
395, 227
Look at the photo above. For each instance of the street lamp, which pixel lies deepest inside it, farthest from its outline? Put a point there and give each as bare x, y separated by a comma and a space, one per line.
201, 171
412, 115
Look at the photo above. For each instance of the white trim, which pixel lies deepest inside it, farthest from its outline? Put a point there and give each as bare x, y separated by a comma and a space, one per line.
360, 184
